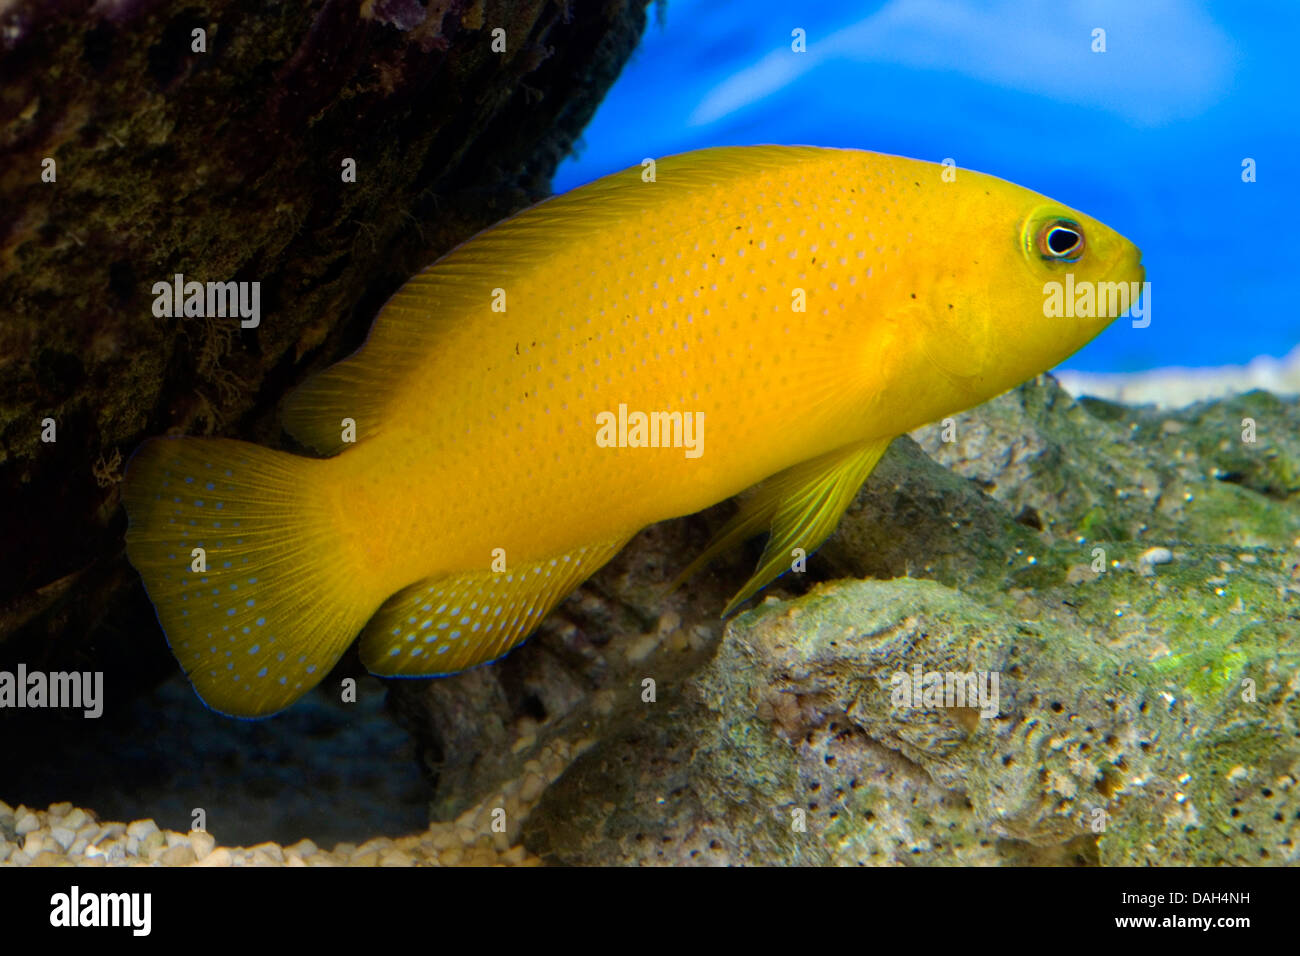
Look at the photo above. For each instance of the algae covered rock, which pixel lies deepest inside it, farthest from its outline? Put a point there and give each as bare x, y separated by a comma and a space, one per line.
1131, 577
792, 746
1211, 472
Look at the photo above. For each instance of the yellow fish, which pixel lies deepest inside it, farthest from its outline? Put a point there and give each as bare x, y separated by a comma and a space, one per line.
634, 350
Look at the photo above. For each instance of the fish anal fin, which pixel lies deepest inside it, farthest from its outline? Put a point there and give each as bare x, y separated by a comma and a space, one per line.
442, 625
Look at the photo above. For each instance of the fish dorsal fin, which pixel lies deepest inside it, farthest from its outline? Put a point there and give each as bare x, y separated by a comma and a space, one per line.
443, 625
800, 506
321, 411
461, 283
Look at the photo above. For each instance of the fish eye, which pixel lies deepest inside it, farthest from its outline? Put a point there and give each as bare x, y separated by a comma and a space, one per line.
1061, 239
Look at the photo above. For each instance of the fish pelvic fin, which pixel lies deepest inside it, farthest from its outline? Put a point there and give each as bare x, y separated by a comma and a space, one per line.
800, 507
244, 572
446, 624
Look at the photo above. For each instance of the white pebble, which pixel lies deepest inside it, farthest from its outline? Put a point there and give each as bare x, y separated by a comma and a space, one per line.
270, 850
63, 836
218, 857
467, 818
26, 824
178, 855
641, 647
532, 788
1156, 556
374, 845
303, 848
202, 843
76, 819
141, 829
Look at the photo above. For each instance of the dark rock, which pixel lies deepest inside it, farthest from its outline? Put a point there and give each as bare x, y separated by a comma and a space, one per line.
226, 165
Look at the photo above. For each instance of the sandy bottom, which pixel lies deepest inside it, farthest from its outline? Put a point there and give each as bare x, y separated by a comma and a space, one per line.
1175, 387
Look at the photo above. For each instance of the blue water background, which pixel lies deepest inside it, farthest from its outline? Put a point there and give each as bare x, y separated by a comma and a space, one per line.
1148, 137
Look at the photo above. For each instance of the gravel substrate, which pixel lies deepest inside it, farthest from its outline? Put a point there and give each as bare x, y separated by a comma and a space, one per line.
64, 835
334, 772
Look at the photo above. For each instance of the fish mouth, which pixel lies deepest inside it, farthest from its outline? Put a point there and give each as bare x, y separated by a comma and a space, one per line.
1132, 274
1133, 260
1129, 268
1139, 279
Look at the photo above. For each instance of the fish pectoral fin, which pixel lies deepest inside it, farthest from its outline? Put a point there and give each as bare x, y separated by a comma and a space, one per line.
810, 498
800, 507
445, 624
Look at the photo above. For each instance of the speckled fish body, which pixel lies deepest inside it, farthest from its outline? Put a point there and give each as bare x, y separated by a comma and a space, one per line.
802, 305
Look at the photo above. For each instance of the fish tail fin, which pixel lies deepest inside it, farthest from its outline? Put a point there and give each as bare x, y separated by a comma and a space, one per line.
245, 570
